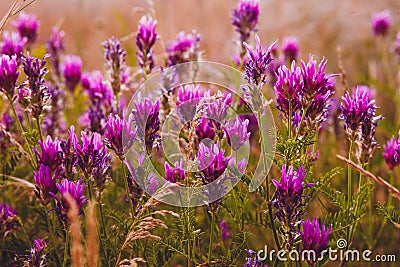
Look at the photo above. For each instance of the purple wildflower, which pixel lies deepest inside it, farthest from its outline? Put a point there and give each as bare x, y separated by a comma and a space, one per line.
357, 108
119, 134
289, 201
51, 154
115, 62
135, 191
315, 237
188, 97
8, 219
27, 25
288, 88
45, 183
204, 131
145, 41
54, 122
35, 71
37, 256
12, 44
212, 161
8, 75
69, 160
93, 158
71, 69
217, 105
381, 23
146, 115
183, 49
74, 190
290, 48
253, 260
245, 17
55, 46
237, 132
391, 152
224, 230
257, 66
176, 173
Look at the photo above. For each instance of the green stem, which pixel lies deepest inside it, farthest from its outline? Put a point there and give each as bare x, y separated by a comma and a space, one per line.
104, 230
349, 187
51, 224
21, 129
211, 238
290, 119
39, 129
263, 152
127, 188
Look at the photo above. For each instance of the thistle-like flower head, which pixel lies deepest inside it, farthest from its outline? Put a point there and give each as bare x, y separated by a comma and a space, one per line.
71, 69
45, 183
391, 152
8, 75
245, 17
183, 49
315, 236
176, 173
290, 48
381, 23
237, 132
12, 44
145, 40
27, 25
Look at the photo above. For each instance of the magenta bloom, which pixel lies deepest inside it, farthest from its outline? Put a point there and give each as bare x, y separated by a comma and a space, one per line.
51, 154
97, 90
381, 23
224, 230
37, 256
212, 161
69, 155
146, 116
188, 97
8, 75
357, 108
12, 44
120, 134
74, 190
176, 173
55, 46
391, 152
45, 183
257, 66
8, 219
92, 155
237, 132
72, 66
315, 236
27, 25
145, 40
290, 48
288, 201
288, 87
183, 49
115, 62
245, 17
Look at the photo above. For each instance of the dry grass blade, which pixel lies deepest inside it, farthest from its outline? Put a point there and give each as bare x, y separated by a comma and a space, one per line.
75, 228
393, 190
16, 7
92, 246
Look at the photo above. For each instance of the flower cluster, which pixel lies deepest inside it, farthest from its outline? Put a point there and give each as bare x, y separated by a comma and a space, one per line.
71, 69
145, 40
146, 116
45, 183
360, 121
315, 237
55, 47
253, 260
237, 133
289, 202
119, 134
8, 75
391, 152
27, 26
12, 44
75, 191
101, 101
290, 48
245, 17
115, 63
381, 23
93, 159
8, 220
176, 173
35, 70
37, 256
187, 99
183, 49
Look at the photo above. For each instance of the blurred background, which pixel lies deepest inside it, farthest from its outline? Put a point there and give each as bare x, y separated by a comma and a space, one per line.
321, 26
